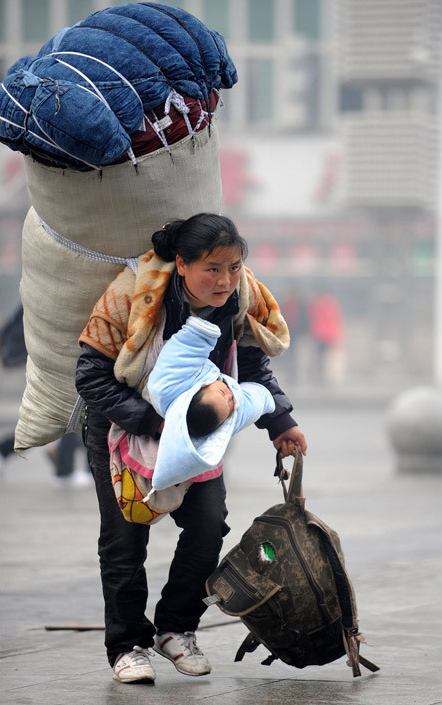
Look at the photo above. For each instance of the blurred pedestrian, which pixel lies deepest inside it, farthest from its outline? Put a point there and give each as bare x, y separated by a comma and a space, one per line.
13, 354
294, 310
65, 453
69, 470
12, 340
326, 327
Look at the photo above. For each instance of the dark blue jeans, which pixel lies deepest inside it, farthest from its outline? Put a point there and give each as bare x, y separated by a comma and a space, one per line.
122, 548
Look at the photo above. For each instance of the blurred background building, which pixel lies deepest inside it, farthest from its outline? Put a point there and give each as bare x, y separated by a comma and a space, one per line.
330, 158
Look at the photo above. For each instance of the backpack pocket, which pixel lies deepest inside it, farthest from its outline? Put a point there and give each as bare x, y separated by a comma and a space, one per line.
238, 588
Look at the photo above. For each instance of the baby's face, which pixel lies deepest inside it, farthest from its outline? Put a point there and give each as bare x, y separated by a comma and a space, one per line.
219, 396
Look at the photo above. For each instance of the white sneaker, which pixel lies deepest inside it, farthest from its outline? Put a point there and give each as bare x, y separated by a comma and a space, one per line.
134, 666
184, 653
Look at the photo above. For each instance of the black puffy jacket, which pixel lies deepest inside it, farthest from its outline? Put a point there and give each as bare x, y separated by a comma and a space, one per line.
122, 404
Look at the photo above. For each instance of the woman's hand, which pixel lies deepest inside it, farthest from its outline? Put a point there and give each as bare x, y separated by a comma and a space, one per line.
289, 440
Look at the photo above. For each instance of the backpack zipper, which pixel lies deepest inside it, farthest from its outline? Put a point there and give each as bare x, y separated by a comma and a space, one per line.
319, 593
237, 576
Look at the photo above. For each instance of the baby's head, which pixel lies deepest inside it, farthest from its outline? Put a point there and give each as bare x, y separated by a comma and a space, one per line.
209, 408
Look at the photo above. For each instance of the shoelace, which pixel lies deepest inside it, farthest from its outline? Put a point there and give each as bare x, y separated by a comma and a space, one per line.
139, 655
188, 641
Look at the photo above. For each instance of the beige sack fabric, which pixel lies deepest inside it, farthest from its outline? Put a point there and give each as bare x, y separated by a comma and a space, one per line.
112, 213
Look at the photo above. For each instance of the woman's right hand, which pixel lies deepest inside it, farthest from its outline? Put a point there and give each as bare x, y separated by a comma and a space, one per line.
289, 440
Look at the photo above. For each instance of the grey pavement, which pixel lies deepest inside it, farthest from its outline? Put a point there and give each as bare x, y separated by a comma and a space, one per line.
390, 529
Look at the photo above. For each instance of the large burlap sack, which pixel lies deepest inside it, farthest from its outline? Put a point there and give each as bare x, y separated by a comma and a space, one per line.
78, 222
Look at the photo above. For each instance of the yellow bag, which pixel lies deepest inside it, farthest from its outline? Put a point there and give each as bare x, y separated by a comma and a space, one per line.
131, 489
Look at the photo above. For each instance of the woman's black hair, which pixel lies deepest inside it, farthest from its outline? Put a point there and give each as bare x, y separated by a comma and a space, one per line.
198, 235
202, 419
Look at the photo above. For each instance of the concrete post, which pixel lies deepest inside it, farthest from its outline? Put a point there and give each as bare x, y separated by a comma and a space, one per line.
414, 426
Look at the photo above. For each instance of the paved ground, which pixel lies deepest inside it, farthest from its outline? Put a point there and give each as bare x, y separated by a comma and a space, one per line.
390, 528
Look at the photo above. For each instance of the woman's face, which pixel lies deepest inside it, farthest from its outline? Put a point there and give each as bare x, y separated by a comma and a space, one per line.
214, 277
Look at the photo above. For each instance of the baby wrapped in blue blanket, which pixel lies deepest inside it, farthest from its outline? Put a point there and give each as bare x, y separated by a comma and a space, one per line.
202, 407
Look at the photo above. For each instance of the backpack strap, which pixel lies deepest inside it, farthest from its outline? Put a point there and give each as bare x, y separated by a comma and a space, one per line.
294, 490
351, 644
368, 664
249, 645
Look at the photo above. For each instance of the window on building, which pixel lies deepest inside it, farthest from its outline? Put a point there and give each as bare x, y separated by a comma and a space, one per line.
259, 91
395, 99
312, 95
307, 18
78, 9
36, 25
3, 21
261, 22
350, 98
216, 16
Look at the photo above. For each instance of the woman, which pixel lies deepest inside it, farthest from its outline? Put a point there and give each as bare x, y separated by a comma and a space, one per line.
196, 268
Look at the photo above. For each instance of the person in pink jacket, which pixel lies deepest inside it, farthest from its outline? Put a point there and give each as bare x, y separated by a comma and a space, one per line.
326, 328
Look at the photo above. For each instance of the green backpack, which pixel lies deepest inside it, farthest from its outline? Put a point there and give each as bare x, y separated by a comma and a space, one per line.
287, 582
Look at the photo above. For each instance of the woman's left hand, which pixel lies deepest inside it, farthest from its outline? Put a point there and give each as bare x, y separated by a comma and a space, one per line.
289, 440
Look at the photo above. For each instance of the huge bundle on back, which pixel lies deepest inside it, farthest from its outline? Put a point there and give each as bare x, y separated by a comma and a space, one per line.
115, 117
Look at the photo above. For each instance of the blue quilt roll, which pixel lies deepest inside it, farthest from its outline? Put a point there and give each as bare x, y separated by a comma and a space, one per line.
78, 101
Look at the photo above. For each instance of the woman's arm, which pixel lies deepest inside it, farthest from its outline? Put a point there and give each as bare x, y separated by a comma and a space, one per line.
97, 385
253, 366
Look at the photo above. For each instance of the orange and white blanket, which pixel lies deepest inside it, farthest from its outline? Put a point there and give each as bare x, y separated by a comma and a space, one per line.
125, 319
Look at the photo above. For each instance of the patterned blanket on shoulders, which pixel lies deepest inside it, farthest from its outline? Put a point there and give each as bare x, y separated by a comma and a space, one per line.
124, 320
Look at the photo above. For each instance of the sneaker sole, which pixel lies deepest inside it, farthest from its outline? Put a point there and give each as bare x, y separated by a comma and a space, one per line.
147, 681
176, 664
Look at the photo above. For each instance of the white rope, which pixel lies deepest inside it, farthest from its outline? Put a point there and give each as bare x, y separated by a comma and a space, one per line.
204, 115
94, 58
131, 262
100, 96
132, 156
180, 105
13, 99
88, 80
14, 124
96, 90
158, 130
53, 143
76, 415
220, 98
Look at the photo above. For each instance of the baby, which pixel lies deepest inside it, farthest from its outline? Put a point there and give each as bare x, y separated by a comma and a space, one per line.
209, 408
202, 407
